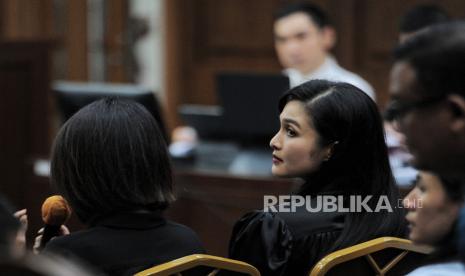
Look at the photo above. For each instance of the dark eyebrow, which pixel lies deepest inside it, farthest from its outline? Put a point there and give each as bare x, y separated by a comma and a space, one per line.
300, 34
291, 122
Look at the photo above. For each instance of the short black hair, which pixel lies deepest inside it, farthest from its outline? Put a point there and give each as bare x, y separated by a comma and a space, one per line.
454, 188
111, 157
437, 54
422, 16
315, 13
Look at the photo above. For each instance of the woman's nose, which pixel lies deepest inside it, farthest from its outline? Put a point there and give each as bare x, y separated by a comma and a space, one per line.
410, 201
274, 143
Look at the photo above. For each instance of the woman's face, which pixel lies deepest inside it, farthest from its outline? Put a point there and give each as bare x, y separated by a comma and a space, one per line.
431, 214
296, 151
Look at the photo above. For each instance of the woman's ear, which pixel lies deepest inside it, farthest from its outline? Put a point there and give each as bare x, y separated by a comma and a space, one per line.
330, 150
457, 106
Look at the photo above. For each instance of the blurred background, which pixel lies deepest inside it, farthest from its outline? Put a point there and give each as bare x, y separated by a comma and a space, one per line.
175, 48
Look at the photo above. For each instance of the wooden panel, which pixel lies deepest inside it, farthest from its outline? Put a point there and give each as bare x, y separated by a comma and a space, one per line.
219, 31
76, 40
227, 35
377, 27
116, 40
205, 37
24, 129
174, 71
25, 19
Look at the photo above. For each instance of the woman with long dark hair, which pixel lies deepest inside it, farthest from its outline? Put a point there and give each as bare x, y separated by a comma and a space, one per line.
331, 137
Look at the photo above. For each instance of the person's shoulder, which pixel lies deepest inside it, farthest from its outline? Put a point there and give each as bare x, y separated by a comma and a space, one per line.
298, 223
446, 269
258, 222
66, 245
182, 234
354, 79
179, 229
261, 238
74, 237
303, 222
74, 241
294, 220
259, 217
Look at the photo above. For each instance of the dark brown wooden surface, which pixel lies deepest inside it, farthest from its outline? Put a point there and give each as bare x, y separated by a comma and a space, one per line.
25, 122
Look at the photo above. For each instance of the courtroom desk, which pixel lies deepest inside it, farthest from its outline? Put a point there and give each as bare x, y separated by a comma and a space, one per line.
210, 203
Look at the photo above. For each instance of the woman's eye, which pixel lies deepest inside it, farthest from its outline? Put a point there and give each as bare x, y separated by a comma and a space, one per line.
290, 132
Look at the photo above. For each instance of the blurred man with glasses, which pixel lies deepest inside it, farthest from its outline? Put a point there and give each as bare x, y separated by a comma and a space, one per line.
427, 88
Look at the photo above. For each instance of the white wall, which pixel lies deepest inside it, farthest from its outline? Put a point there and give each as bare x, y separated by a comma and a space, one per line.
149, 49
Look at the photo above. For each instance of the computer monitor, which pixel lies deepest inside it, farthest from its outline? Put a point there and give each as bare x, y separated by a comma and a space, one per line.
72, 96
250, 105
206, 119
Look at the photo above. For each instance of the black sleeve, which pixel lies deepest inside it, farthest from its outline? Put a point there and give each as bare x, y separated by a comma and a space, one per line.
262, 240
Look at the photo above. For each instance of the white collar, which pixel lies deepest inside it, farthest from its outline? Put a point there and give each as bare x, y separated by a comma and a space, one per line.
326, 69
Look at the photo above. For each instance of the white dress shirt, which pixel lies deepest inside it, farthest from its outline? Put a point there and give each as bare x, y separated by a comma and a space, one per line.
330, 70
441, 269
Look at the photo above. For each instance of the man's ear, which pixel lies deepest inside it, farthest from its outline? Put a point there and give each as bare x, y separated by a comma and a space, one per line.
457, 105
329, 37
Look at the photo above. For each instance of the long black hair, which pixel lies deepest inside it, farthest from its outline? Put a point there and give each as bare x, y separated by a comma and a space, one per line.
348, 120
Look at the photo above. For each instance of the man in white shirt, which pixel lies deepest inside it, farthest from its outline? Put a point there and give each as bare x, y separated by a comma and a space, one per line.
303, 38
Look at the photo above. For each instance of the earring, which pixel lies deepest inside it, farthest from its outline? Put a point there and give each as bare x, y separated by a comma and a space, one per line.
331, 151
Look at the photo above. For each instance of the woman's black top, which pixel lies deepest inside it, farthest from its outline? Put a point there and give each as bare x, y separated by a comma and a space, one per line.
126, 243
284, 243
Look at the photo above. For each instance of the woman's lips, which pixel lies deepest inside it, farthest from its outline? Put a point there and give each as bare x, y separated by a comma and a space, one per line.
276, 160
410, 222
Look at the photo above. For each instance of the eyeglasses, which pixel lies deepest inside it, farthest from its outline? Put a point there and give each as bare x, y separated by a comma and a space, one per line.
397, 110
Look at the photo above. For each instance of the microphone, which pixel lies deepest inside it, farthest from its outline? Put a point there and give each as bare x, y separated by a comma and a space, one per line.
55, 212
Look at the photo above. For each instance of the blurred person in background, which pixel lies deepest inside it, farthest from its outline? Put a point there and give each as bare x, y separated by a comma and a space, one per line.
303, 38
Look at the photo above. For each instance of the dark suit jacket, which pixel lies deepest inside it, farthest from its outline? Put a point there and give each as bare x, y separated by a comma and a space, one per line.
126, 243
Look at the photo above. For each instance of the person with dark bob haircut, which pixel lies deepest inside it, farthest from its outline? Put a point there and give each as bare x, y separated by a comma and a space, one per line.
331, 137
110, 162
303, 39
